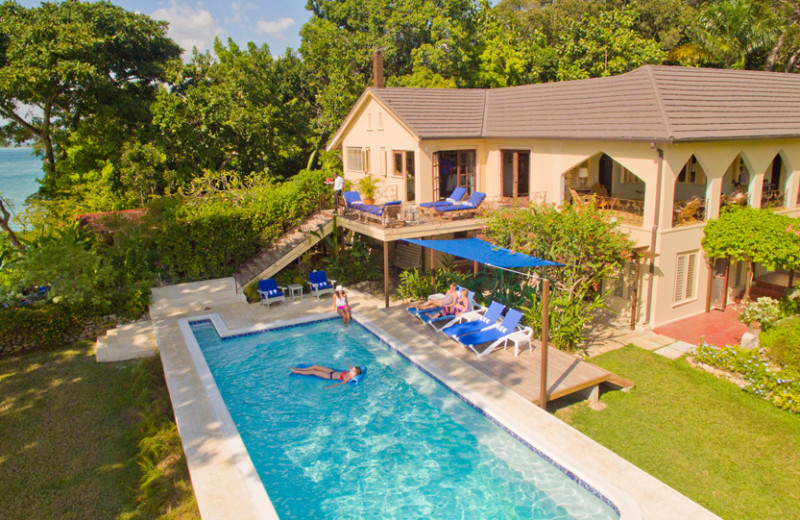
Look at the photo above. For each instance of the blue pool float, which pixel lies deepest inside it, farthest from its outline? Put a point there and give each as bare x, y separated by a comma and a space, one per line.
355, 380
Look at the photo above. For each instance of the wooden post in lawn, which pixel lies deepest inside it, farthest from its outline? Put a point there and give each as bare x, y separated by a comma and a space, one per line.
386, 273
545, 332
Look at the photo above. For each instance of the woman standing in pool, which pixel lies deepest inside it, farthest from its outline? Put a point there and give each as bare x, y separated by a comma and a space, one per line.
324, 372
341, 305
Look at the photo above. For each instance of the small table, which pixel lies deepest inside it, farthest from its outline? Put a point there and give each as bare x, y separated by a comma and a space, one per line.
519, 337
411, 216
296, 289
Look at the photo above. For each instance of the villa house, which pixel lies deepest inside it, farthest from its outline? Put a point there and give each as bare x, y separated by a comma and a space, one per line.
662, 148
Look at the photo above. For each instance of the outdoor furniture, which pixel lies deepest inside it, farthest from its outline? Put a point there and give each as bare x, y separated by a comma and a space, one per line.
319, 283
352, 200
384, 213
445, 319
520, 337
270, 292
454, 197
476, 321
495, 334
461, 208
296, 289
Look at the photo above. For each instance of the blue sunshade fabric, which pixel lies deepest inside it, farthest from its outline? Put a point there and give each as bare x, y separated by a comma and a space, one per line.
483, 252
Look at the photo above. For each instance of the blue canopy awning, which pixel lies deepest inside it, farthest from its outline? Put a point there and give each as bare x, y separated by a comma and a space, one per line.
483, 252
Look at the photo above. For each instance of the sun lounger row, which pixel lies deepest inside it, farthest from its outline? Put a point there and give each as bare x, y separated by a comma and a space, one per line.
480, 327
453, 206
382, 213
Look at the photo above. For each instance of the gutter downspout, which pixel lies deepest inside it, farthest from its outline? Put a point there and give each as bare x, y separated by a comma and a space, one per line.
654, 235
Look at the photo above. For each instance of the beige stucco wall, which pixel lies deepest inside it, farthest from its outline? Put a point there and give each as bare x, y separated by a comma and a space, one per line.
550, 159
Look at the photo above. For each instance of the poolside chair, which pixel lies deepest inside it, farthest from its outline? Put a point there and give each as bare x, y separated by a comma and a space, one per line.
461, 208
454, 197
271, 292
383, 213
319, 283
495, 334
481, 321
432, 310
427, 316
352, 201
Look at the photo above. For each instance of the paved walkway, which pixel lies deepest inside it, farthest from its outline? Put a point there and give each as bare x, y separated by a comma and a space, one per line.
716, 328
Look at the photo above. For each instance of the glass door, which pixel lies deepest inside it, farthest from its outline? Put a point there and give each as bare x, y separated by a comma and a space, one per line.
452, 169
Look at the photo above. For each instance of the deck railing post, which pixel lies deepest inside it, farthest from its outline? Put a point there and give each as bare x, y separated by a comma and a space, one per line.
386, 273
545, 332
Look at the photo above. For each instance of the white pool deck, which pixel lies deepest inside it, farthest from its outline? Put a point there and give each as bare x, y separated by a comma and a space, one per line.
224, 480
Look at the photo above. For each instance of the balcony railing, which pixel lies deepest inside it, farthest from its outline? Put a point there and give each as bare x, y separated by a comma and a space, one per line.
772, 199
686, 212
629, 211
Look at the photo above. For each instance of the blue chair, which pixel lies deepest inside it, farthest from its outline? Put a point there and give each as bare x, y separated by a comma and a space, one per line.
352, 200
462, 208
383, 212
454, 197
270, 292
484, 321
319, 283
495, 334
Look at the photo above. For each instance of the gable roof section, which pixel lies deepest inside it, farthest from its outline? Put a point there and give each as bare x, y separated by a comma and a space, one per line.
436, 112
652, 103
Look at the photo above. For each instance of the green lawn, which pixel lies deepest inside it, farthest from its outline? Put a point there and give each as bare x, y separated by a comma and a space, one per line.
68, 438
724, 448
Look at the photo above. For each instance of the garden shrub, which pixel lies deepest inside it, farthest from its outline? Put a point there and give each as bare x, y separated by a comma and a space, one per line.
782, 342
44, 326
764, 310
781, 387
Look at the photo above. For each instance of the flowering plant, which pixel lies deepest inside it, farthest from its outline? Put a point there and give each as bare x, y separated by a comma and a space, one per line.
764, 310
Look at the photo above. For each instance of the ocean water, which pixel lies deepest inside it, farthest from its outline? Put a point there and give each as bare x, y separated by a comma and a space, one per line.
397, 445
19, 169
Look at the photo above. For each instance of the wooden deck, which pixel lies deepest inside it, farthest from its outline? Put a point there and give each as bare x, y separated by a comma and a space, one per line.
566, 374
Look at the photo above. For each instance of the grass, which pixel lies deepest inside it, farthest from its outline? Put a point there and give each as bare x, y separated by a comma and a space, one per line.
728, 450
70, 429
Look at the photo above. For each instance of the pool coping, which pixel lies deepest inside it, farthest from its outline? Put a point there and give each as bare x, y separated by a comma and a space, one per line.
505, 412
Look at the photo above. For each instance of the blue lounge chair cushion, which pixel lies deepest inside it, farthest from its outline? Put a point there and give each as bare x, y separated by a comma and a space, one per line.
505, 328
487, 320
352, 199
454, 197
319, 280
269, 287
473, 202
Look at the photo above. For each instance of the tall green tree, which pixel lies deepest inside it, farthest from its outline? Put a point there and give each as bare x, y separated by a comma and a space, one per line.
67, 61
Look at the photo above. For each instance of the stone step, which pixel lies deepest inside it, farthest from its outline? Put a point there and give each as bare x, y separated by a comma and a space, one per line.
129, 341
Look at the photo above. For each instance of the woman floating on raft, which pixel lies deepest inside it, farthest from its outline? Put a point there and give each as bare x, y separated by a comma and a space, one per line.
323, 372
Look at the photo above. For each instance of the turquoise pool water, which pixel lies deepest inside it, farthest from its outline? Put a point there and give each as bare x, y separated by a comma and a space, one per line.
398, 445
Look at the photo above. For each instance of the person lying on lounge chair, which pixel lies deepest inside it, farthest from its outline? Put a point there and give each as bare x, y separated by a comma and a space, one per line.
323, 372
460, 306
449, 299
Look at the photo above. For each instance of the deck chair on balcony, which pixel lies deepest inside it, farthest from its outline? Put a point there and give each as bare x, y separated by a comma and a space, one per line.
454, 198
271, 292
352, 201
462, 208
319, 283
384, 213
474, 321
495, 335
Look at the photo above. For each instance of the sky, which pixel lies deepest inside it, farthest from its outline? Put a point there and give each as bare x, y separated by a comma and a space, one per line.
196, 23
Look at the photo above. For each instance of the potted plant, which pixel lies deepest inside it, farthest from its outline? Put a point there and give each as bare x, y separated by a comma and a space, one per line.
367, 185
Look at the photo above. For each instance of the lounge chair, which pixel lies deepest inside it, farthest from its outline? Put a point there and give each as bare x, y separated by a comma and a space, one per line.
473, 305
319, 283
462, 208
382, 213
495, 334
481, 321
454, 197
271, 292
427, 316
352, 200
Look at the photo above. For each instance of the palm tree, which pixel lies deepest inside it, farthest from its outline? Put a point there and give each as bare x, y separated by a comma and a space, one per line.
729, 34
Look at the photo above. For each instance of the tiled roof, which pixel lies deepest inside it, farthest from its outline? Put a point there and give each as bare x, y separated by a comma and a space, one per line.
651, 103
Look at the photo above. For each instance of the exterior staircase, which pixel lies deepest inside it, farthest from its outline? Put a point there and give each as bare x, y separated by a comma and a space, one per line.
129, 341
288, 248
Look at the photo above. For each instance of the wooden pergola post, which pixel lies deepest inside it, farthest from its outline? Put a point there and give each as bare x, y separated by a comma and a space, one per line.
433, 279
710, 284
635, 292
386, 273
725, 288
545, 332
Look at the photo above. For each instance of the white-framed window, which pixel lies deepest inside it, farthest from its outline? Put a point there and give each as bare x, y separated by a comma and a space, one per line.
685, 276
403, 163
355, 159
369, 122
380, 121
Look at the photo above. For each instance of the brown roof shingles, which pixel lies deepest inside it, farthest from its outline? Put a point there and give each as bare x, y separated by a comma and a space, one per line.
651, 103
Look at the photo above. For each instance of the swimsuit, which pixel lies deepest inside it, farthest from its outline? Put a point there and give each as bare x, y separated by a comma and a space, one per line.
341, 377
341, 303
447, 300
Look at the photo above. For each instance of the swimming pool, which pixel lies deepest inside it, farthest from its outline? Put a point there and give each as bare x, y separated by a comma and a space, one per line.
398, 444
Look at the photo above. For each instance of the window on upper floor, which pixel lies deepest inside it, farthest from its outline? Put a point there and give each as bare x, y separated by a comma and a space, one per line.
355, 159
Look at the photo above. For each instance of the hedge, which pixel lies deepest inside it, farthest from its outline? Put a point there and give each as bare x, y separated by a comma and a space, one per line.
38, 327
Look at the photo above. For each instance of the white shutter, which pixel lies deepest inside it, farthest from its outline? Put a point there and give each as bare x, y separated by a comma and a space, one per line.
680, 279
690, 275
